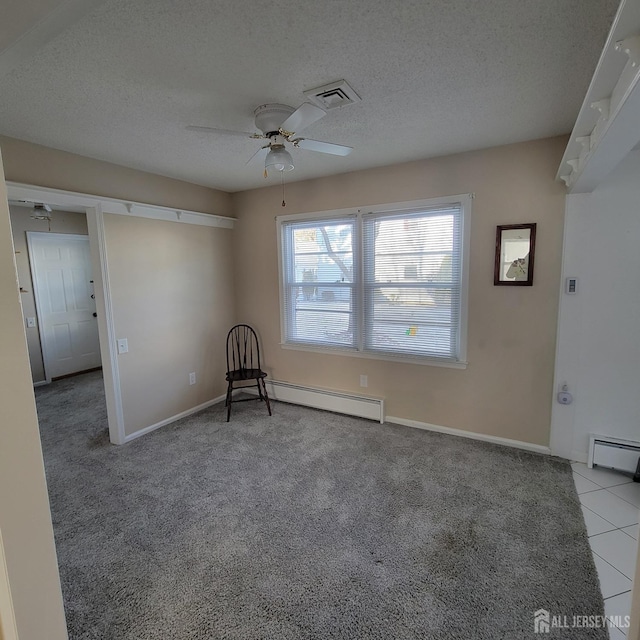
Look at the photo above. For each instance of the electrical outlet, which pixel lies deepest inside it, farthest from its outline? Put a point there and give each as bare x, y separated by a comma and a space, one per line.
123, 345
192, 377
364, 381
31, 323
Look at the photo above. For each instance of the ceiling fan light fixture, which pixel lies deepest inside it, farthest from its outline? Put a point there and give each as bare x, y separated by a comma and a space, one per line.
41, 211
278, 159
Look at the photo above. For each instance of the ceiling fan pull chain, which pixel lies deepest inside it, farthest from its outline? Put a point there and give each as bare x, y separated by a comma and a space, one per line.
284, 204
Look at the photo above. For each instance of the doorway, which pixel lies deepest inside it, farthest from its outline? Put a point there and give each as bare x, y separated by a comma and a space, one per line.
65, 302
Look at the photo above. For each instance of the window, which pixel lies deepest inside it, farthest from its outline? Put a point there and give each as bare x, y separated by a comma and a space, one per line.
319, 288
388, 282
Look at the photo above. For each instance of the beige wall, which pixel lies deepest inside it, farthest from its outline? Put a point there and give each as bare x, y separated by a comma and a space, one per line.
44, 167
171, 283
21, 222
25, 521
8, 629
506, 389
173, 299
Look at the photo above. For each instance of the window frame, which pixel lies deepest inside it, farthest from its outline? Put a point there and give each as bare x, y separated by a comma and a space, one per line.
465, 203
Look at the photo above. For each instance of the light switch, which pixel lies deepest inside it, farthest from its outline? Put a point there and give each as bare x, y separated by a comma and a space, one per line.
123, 345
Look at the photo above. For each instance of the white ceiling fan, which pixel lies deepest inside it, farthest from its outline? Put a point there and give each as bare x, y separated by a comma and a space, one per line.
279, 125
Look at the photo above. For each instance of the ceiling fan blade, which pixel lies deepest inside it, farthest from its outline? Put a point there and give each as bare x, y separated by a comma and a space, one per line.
228, 132
305, 115
323, 147
259, 154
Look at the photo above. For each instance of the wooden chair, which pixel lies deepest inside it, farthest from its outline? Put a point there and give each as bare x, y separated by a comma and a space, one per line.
243, 365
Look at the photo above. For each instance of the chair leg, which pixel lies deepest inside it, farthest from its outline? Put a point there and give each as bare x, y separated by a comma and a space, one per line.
229, 396
266, 395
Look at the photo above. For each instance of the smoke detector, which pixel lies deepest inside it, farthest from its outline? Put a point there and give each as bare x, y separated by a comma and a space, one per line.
333, 95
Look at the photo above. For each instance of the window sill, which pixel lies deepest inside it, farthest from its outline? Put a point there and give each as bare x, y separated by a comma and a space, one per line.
422, 361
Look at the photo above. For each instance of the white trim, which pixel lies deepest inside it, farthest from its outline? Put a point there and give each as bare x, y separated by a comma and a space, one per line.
464, 200
38, 302
562, 416
280, 278
576, 456
372, 408
368, 407
372, 355
606, 128
375, 208
95, 207
59, 198
106, 327
507, 442
41, 383
178, 416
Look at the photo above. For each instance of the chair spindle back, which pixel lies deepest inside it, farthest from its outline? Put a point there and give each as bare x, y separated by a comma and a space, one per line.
243, 350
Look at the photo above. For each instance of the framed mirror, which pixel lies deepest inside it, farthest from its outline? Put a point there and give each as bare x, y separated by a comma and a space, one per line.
515, 249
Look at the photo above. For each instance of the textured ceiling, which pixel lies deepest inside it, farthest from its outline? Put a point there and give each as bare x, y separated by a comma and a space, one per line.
435, 77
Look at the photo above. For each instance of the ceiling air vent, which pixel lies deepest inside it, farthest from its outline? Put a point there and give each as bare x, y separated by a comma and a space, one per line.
331, 96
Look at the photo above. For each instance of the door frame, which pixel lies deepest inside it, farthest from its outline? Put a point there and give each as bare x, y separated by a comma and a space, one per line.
102, 291
95, 207
106, 325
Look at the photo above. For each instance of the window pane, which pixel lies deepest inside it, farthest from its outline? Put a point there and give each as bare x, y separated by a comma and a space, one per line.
413, 249
412, 282
414, 320
386, 282
321, 315
318, 264
323, 253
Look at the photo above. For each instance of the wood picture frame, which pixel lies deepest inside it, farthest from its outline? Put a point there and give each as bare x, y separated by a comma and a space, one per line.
515, 252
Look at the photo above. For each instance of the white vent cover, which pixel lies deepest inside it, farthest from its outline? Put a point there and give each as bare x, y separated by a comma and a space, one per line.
333, 95
614, 453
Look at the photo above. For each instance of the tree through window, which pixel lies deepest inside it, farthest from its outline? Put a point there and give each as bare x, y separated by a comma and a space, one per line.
388, 282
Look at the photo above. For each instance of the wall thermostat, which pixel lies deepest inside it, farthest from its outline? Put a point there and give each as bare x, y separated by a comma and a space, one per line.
571, 286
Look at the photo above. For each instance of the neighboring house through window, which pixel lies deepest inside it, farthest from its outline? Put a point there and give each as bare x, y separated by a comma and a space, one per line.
387, 281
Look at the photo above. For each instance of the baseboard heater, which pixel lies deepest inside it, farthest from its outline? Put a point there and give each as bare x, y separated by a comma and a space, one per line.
337, 401
614, 453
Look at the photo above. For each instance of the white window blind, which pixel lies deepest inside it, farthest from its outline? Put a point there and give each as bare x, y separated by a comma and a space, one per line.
412, 279
319, 291
385, 283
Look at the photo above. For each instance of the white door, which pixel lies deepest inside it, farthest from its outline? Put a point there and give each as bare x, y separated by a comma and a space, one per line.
61, 269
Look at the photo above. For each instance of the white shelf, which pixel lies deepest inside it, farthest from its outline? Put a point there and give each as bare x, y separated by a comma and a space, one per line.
608, 125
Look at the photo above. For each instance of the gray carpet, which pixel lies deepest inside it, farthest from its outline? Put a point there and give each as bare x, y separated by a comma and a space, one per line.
306, 525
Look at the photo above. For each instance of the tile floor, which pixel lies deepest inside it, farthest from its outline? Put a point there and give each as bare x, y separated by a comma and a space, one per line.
610, 504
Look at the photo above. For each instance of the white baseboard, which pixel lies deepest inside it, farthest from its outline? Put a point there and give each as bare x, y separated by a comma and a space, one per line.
507, 442
178, 416
579, 456
41, 383
373, 409
337, 401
